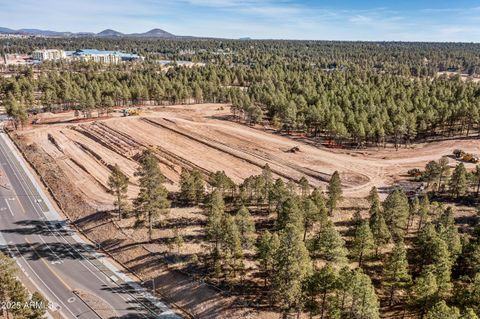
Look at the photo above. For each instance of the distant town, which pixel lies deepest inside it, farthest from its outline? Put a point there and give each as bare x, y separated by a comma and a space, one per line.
86, 55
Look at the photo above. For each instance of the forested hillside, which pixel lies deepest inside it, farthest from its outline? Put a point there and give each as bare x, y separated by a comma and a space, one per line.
274, 242
351, 92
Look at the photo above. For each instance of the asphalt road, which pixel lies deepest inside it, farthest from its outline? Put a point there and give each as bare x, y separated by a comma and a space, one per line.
67, 271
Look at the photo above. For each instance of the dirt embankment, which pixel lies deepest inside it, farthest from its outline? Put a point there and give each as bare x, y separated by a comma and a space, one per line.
198, 299
75, 160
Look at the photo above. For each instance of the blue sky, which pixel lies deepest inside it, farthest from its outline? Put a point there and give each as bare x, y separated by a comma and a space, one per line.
405, 20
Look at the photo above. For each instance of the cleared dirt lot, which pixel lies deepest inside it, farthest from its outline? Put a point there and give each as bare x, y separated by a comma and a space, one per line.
74, 157
196, 136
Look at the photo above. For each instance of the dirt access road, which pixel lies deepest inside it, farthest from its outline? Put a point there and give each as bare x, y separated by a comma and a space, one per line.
197, 136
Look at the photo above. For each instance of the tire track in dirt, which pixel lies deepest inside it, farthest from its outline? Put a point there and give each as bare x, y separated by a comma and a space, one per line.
258, 160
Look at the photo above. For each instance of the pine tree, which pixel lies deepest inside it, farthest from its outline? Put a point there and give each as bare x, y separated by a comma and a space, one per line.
380, 232
18, 294
221, 182
8, 273
12, 290
320, 284
443, 268
363, 243
474, 293
441, 311
364, 301
277, 194
152, 198
344, 287
448, 232
329, 245
443, 169
423, 211
373, 197
39, 311
118, 186
434, 254
396, 210
304, 186
213, 229
192, 186
311, 215
178, 240
289, 213
476, 176
424, 291
268, 178
334, 192
414, 210
292, 266
232, 251
458, 181
246, 227
469, 314
432, 172
267, 250
356, 220
396, 271
15, 110
319, 200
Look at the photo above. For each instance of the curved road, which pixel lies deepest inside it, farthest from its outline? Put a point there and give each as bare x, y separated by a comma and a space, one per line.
77, 281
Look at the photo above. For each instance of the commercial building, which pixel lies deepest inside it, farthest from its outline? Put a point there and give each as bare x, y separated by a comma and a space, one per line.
100, 56
48, 55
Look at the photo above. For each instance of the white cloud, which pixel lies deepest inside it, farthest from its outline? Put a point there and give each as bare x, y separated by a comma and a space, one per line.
360, 19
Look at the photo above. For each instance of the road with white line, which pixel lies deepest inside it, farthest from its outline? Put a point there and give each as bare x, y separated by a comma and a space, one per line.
77, 281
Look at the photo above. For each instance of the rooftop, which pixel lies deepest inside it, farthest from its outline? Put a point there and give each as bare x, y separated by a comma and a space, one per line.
86, 52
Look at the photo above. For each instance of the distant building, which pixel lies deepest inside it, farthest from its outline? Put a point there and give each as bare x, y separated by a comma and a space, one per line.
48, 55
13, 36
99, 56
16, 59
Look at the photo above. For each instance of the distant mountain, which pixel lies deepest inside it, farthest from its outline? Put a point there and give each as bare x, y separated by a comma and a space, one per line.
154, 33
108, 33
45, 33
6, 30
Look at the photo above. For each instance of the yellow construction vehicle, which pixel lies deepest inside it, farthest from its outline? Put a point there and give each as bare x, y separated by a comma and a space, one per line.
135, 112
132, 112
470, 158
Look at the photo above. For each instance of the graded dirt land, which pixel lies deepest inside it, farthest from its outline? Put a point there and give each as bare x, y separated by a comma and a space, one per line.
73, 156
199, 136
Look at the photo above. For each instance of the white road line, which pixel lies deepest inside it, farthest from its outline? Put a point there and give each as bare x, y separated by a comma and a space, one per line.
107, 283
46, 286
159, 305
59, 260
8, 205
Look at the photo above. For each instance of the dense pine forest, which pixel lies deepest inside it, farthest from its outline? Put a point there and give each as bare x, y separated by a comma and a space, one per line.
356, 93
403, 257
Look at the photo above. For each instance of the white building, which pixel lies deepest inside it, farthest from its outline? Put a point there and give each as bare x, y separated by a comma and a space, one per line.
101, 56
48, 55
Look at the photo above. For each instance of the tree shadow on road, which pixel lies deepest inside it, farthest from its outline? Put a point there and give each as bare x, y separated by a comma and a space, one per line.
54, 252
140, 306
40, 227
